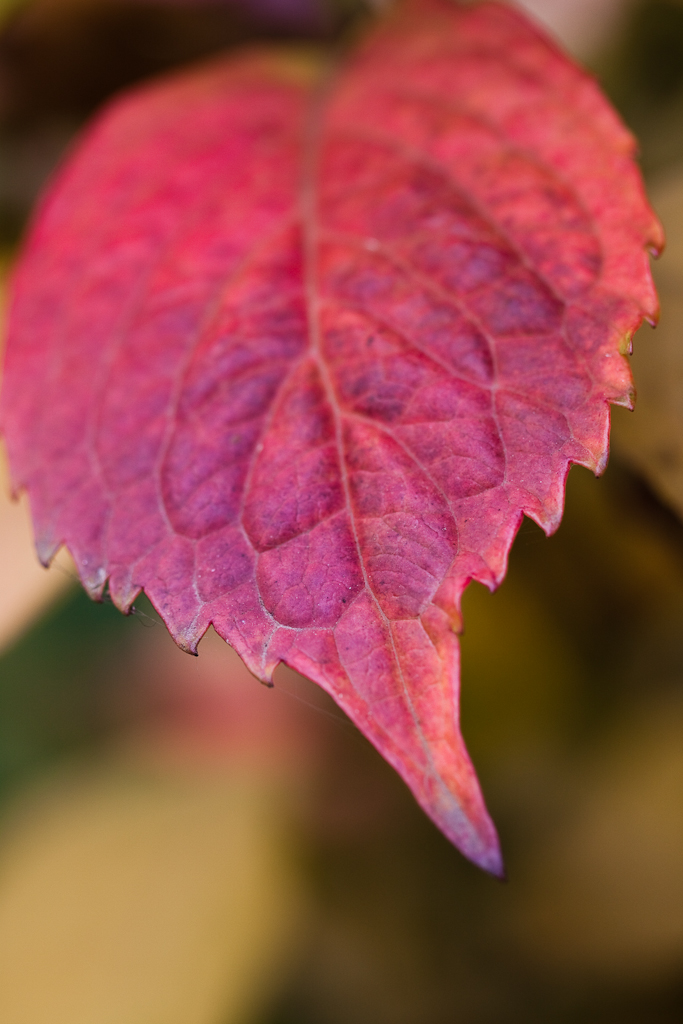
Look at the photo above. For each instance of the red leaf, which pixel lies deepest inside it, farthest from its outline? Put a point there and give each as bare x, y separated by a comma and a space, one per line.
296, 359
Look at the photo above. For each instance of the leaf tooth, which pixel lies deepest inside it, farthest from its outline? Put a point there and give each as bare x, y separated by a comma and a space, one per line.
93, 578
46, 547
188, 642
123, 592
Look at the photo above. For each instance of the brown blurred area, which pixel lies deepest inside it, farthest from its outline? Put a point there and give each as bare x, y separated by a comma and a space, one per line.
180, 845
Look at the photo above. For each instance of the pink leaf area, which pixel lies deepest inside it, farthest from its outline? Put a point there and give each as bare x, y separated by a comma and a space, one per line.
296, 356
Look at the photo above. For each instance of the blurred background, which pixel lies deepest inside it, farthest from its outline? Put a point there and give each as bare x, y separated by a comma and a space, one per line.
179, 845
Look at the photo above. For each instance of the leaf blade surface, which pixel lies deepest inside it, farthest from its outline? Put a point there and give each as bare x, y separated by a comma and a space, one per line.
324, 348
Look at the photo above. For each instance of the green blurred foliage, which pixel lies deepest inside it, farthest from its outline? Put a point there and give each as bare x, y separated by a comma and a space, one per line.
63, 687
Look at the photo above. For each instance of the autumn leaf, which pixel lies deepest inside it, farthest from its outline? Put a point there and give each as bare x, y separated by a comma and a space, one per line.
296, 351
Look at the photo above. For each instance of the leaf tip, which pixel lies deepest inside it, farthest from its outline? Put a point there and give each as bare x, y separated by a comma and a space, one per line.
491, 859
462, 817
